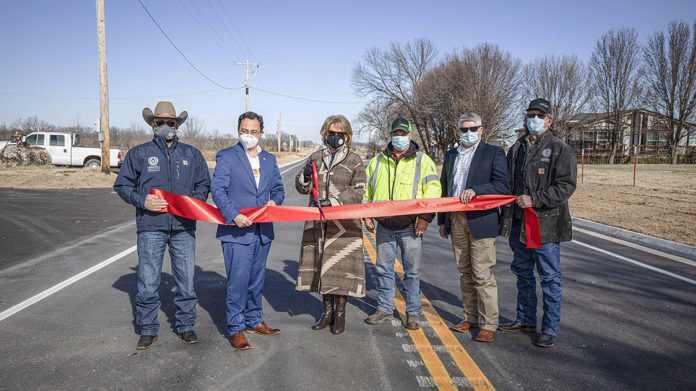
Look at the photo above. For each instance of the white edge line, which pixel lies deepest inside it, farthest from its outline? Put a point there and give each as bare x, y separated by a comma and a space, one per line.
48, 292
633, 261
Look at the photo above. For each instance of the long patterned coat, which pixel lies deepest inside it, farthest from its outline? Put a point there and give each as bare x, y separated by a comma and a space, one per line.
341, 271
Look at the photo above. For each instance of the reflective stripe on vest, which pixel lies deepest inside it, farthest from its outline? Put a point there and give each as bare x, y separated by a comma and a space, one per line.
416, 176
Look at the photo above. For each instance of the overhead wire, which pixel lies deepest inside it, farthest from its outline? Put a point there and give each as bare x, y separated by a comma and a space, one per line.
180, 52
305, 99
224, 25
225, 51
241, 37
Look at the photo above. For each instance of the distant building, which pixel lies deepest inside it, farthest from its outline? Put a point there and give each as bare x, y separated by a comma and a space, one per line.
646, 130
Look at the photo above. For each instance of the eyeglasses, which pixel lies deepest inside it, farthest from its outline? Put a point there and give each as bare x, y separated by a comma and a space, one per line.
160, 122
471, 129
540, 116
253, 132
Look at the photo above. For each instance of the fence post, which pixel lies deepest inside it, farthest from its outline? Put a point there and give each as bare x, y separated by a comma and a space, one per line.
635, 159
582, 165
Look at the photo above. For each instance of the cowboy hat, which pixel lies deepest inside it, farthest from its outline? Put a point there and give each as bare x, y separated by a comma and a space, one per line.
164, 110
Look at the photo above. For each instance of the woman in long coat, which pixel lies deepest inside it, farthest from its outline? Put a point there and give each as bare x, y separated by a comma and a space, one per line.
333, 266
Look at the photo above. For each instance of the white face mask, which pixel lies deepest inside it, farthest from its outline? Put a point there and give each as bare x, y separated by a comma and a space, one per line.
248, 141
536, 125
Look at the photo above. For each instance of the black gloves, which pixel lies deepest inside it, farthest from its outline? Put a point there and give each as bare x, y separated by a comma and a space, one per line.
307, 173
324, 203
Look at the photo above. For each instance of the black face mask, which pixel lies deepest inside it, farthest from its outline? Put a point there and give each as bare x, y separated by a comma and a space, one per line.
335, 141
166, 132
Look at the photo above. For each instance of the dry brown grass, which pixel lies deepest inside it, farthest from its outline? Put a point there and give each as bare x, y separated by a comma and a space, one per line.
661, 204
49, 177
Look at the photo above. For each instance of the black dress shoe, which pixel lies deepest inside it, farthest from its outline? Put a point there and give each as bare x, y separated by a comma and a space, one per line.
516, 326
545, 340
189, 337
146, 341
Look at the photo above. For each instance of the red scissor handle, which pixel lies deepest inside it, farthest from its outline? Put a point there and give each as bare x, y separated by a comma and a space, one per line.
315, 178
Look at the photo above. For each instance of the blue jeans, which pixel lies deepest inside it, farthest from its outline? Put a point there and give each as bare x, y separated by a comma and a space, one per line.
182, 250
246, 272
410, 245
548, 262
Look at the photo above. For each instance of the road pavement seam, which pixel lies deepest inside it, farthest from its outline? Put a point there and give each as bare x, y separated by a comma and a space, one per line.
48, 292
450, 344
637, 263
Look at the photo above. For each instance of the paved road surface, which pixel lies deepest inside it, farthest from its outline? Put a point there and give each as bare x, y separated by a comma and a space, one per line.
624, 325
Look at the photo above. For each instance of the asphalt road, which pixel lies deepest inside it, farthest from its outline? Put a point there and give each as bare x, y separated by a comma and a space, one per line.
624, 325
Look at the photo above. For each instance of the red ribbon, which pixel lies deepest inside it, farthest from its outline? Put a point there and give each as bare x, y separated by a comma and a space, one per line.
194, 209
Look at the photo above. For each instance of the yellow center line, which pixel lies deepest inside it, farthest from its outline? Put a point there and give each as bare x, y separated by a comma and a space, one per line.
473, 373
437, 370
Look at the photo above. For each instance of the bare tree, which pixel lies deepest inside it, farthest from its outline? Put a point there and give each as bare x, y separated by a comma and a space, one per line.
563, 81
441, 97
670, 63
391, 76
493, 78
192, 129
615, 74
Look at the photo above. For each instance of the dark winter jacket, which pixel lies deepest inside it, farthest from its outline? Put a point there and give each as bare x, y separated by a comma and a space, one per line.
179, 169
547, 173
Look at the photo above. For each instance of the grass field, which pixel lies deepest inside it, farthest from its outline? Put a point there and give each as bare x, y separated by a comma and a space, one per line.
661, 204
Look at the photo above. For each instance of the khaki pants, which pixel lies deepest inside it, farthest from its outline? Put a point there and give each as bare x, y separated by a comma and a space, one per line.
475, 260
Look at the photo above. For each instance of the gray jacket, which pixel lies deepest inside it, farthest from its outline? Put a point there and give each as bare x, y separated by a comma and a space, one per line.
549, 177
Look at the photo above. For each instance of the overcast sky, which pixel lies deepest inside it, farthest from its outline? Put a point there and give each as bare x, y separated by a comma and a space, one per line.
307, 49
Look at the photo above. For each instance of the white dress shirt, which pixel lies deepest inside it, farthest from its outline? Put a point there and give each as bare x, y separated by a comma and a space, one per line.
461, 169
255, 165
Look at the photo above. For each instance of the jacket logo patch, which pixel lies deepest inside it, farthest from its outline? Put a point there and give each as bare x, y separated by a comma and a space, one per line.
153, 167
185, 162
546, 152
541, 170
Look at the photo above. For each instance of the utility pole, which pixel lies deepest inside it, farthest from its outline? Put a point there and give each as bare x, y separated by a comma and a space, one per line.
280, 132
103, 89
246, 63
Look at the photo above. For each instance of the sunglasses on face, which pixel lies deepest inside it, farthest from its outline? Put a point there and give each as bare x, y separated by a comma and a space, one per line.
332, 133
540, 116
471, 129
253, 132
170, 123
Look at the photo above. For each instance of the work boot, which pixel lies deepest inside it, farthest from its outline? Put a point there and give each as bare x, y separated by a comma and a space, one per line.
379, 317
145, 341
327, 317
339, 324
413, 322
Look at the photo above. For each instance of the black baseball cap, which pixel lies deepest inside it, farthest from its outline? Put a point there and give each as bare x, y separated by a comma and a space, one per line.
540, 104
400, 123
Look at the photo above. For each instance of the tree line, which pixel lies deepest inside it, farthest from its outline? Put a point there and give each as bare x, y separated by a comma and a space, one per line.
193, 132
412, 80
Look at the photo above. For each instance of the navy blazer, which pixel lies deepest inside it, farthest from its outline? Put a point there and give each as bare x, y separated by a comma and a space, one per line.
233, 187
488, 174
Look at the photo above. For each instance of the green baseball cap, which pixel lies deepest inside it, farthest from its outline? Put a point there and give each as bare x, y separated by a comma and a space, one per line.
400, 123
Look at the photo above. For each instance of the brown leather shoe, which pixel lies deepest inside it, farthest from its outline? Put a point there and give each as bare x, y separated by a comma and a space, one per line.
463, 326
263, 329
239, 341
485, 336
327, 317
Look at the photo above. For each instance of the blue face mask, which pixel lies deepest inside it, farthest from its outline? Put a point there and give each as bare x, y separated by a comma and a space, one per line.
535, 125
468, 138
400, 143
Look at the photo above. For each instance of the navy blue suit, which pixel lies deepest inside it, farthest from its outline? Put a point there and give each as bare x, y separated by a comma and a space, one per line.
245, 249
488, 174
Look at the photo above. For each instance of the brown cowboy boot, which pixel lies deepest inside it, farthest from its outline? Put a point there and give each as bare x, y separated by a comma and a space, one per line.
327, 317
340, 318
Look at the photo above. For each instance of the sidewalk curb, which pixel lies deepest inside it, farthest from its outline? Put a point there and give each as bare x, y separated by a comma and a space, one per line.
667, 246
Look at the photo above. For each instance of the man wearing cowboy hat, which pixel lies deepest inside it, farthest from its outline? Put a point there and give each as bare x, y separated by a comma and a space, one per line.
167, 164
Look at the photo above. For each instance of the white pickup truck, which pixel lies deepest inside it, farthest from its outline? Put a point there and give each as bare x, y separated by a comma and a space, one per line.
65, 150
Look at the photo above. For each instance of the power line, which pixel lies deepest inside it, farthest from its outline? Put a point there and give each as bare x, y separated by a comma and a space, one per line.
180, 52
306, 99
241, 37
225, 51
224, 25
